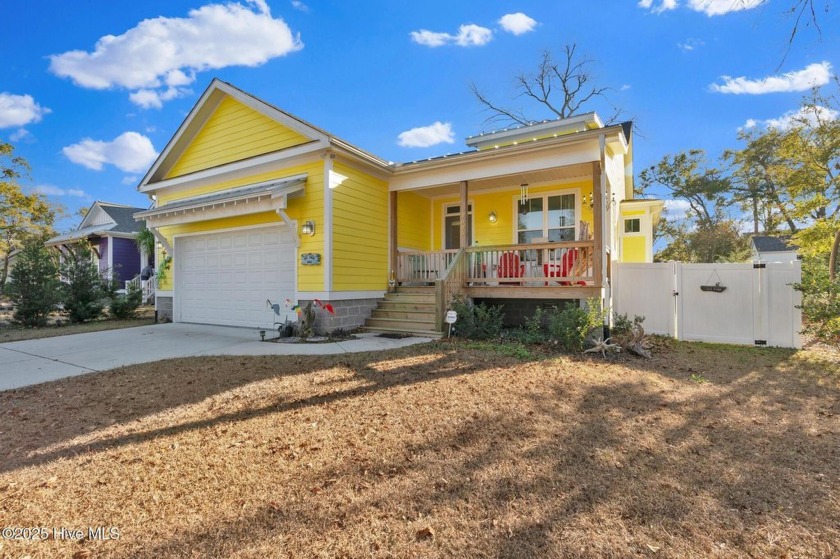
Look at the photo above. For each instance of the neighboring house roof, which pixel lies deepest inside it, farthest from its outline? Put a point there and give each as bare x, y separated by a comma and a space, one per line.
767, 243
103, 218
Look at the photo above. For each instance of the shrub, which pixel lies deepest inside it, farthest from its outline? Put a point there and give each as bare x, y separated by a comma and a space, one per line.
477, 322
306, 324
622, 325
570, 326
125, 305
820, 302
34, 286
534, 331
85, 291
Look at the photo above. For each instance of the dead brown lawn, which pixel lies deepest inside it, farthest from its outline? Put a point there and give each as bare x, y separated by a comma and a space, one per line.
434, 451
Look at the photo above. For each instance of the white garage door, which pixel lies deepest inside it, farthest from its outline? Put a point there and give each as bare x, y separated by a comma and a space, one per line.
225, 278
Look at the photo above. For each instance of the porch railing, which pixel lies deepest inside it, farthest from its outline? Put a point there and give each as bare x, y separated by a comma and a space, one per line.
562, 263
423, 266
565, 263
450, 285
146, 287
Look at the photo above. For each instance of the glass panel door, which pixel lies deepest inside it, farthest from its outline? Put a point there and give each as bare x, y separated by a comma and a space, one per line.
452, 227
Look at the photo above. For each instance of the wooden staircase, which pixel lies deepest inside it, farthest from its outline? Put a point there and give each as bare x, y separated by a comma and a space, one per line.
409, 310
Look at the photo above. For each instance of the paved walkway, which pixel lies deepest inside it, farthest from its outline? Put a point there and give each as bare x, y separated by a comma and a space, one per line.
35, 361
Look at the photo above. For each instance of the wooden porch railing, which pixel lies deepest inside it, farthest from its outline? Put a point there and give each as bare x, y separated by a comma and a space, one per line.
548, 264
423, 267
449, 285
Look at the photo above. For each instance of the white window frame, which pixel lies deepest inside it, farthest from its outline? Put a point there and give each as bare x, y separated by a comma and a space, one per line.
545, 196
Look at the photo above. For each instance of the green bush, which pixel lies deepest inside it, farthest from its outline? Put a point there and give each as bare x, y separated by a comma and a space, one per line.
820, 301
533, 331
34, 286
85, 292
569, 326
125, 305
622, 324
477, 322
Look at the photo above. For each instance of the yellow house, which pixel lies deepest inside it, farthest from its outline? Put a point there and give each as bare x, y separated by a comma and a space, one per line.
254, 207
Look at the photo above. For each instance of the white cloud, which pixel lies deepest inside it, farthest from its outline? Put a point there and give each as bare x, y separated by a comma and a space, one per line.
677, 209
130, 179
722, 7
20, 135
50, 190
426, 136
300, 6
19, 110
791, 119
158, 57
130, 152
708, 7
469, 35
659, 7
517, 23
625, 87
814, 75
690, 44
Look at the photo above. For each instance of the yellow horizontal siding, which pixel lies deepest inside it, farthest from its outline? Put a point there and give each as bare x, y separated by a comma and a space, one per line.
503, 232
633, 249
232, 133
414, 221
310, 206
360, 231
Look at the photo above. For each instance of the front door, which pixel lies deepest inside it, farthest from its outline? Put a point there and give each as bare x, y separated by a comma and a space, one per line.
452, 227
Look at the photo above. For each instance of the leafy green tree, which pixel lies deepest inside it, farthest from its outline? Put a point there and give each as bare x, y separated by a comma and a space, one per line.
22, 216
34, 286
85, 291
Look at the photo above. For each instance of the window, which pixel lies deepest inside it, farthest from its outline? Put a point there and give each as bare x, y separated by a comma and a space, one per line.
552, 217
633, 225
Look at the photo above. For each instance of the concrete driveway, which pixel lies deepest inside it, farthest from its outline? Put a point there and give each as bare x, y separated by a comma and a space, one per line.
35, 361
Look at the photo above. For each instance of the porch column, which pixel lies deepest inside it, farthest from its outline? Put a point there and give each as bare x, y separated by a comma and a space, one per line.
597, 225
392, 236
464, 214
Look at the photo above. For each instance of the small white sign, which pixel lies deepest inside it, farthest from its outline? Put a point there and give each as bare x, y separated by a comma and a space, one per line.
451, 317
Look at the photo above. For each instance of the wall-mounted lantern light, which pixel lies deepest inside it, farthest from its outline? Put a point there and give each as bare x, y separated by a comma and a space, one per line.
308, 228
492, 217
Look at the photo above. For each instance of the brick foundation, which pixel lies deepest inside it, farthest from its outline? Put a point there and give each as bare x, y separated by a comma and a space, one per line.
163, 306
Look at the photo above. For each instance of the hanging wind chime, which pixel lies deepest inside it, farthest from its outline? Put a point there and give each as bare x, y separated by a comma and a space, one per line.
523, 193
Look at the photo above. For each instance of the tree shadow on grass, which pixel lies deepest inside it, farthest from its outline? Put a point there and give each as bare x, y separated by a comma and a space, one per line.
637, 462
101, 411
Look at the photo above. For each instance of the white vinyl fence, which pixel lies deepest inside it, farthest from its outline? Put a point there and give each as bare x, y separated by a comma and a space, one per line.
725, 303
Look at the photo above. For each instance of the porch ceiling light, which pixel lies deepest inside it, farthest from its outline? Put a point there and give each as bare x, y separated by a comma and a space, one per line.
308, 228
492, 217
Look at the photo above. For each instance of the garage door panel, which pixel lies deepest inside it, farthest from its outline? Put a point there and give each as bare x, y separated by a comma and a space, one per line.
225, 278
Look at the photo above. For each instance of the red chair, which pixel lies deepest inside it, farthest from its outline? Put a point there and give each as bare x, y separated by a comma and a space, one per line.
509, 267
565, 269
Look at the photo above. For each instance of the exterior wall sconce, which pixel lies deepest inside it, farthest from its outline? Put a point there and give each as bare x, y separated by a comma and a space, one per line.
492, 217
308, 228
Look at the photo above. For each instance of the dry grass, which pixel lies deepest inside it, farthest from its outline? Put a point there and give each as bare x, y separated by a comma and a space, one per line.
433, 451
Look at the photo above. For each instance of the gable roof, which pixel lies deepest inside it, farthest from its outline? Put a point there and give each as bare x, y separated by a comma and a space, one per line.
121, 222
767, 243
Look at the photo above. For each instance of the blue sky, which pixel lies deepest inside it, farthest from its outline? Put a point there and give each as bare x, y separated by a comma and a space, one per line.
90, 94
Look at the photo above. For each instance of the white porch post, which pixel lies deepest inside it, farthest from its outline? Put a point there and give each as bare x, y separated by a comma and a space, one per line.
464, 214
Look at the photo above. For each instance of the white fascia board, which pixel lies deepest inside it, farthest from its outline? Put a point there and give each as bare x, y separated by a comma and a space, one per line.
328, 296
218, 211
305, 153
496, 163
204, 107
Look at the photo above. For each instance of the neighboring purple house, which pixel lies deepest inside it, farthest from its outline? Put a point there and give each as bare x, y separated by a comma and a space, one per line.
110, 229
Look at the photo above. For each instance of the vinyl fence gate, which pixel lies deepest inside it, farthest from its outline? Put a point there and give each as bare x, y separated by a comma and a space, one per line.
751, 304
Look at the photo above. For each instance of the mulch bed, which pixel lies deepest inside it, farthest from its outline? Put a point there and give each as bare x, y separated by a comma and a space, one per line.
441, 450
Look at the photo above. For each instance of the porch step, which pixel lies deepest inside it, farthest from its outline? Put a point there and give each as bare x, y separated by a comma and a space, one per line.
408, 310
428, 298
421, 333
406, 324
426, 290
423, 315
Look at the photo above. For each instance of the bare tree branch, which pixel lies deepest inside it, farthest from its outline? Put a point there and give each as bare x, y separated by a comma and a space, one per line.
562, 88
